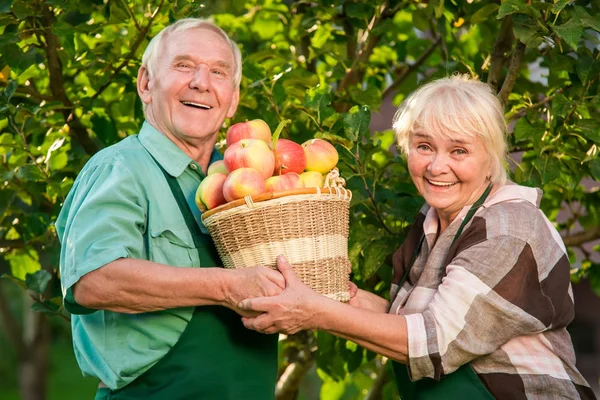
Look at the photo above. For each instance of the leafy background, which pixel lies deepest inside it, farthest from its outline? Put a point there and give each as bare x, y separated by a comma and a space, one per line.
337, 69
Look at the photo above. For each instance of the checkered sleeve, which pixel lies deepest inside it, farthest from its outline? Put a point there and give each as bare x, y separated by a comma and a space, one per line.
492, 292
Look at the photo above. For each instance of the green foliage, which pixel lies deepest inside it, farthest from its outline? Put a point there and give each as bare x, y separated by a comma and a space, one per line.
68, 70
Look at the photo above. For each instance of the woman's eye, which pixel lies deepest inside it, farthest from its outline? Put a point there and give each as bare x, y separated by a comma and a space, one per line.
460, 151
423, 147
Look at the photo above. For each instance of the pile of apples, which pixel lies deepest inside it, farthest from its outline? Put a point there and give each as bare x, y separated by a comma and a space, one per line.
256, 162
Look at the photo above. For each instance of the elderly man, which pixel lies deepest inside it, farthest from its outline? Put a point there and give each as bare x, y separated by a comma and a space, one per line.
154, 317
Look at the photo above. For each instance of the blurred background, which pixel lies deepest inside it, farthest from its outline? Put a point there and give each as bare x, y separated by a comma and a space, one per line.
338, 69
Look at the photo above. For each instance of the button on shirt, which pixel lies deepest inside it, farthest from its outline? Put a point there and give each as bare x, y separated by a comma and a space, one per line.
121, 206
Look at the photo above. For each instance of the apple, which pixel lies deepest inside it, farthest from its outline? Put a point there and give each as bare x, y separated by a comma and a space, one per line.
288, 181
243, 182
210, 191
250, 153
217, 167
321, 156
312, 179
255, 129
289, 157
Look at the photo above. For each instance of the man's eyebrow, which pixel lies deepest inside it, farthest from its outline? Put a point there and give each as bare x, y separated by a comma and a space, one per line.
218, 63
223, 64
182, 57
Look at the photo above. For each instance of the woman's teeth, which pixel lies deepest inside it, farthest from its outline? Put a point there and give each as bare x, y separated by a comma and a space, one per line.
442, 184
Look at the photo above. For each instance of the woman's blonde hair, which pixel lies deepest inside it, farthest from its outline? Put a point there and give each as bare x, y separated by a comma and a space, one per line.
452, 107
152, 52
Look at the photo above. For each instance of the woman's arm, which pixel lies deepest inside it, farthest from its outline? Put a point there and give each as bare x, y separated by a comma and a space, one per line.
298, 307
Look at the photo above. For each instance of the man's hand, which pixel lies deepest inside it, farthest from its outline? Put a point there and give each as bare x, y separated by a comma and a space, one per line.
295, 309
245, 283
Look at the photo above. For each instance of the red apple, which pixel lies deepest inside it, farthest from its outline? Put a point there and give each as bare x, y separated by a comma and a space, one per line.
250, 153
321, 156
288, 181
289, 157
210, 192
255, 129
243, 182
217, 166
312, 179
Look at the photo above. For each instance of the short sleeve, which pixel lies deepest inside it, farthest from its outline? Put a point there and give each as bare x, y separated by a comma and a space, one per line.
102, 220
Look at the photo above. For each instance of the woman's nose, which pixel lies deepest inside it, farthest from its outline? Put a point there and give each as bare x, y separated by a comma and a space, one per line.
438, 164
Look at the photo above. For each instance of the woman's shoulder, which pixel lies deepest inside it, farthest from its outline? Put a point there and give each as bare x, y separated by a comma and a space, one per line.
513, 211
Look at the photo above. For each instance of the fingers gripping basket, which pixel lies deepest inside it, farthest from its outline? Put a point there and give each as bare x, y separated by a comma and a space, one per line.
308, 226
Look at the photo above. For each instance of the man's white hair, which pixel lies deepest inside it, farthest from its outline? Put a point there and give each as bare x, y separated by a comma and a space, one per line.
152, 52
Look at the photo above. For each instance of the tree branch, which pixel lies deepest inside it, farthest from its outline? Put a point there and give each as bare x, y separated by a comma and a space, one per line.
521, 112
513, 72
143, 33
502, 46
577, 239
407, 71
353, 73
11, 325
12, 244
376, 391
57, 85
137, 26
290, 380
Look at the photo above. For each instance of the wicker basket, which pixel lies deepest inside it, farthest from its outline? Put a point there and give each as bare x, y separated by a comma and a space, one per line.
308, 226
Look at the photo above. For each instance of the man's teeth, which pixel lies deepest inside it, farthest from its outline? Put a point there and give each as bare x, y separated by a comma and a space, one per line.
445, 184
197, 105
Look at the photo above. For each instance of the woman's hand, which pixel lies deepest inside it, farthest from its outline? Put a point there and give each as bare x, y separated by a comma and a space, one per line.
295, 309
366, 300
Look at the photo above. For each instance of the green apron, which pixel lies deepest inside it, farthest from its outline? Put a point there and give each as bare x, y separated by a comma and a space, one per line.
462, 383
216, 357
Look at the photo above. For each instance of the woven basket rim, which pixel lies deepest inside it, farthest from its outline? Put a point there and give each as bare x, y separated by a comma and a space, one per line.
275, 195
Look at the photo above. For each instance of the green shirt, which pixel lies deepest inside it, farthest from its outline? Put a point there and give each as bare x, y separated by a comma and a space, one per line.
120, 206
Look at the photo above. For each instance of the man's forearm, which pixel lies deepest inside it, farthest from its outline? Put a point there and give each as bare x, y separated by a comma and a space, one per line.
134, 286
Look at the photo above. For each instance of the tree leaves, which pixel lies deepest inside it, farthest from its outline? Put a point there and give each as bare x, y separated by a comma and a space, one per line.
356, 122
38, 281
570, 32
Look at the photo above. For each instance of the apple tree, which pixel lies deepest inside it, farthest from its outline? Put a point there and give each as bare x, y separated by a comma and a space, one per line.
336, 69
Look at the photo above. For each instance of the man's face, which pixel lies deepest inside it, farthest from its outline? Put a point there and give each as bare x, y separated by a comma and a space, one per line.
191, 92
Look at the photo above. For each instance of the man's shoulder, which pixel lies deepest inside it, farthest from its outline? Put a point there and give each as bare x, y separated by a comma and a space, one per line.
129, 153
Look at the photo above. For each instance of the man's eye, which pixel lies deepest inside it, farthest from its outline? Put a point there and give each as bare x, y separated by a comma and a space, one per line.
183, 65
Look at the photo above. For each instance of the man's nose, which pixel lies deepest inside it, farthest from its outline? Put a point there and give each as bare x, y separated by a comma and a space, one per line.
200, 80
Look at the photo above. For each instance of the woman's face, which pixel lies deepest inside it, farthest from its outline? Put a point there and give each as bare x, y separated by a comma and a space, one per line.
449, 173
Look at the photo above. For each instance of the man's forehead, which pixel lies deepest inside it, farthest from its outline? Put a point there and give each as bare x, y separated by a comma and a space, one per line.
197, 40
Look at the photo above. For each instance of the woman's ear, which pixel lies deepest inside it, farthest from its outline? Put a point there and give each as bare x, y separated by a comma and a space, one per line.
143, 85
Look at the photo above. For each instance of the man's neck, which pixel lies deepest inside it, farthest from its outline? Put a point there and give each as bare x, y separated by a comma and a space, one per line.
199, 150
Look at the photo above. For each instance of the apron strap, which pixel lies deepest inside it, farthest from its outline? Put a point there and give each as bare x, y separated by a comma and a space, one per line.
461, 384
468, 217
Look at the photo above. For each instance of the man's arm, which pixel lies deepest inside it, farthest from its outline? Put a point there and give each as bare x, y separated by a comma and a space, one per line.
130, 285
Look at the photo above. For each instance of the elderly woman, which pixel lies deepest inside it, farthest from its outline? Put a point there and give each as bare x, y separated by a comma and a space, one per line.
481, 293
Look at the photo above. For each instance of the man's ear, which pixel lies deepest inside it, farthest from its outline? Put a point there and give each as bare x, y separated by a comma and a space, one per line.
143, 85
234, 103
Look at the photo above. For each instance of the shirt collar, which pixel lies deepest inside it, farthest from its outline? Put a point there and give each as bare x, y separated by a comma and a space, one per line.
506, 193
167, 153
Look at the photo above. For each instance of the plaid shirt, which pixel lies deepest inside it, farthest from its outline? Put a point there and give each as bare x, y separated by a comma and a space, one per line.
499, 299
